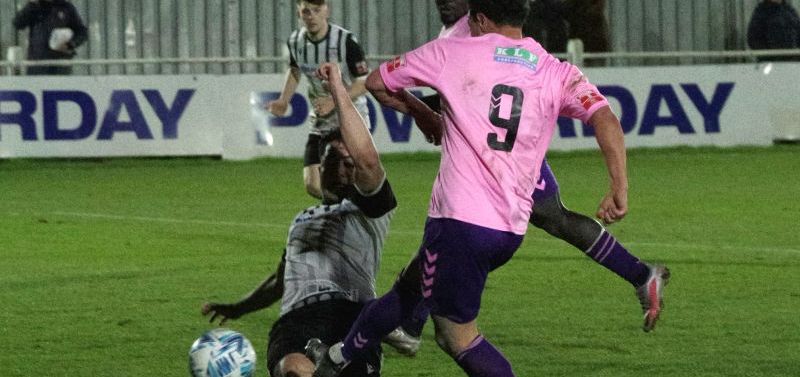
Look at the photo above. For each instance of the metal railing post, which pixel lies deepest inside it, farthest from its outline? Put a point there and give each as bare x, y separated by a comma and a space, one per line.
14, 59
575, 52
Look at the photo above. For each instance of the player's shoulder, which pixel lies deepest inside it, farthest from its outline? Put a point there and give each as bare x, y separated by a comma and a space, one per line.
297, 34
448, 43
546, 59
345, 32
337, 27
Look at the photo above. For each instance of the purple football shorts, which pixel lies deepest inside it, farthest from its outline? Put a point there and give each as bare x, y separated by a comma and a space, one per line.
455, 259
547, 185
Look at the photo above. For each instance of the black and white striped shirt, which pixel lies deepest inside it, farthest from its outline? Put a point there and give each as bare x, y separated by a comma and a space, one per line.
338, 46
334, 251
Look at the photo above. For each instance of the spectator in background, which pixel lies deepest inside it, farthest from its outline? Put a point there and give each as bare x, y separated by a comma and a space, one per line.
774, 25
587, 22
55, 30
546, 24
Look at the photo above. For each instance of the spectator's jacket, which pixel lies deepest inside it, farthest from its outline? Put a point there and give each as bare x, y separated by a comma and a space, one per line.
587, 22
547, 25
774, 26
41, 18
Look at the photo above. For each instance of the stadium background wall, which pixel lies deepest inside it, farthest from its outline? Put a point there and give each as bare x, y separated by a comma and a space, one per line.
711, 105
249, 28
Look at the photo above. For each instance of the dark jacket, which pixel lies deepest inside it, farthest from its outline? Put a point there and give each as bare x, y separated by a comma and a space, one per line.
547, 25
44, 16
587, 22
773, 26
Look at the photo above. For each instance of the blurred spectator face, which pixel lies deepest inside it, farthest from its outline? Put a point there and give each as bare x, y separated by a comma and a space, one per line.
451, 10
315, 17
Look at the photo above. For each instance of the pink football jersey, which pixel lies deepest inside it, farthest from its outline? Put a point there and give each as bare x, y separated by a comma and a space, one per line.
501, 98
460, 29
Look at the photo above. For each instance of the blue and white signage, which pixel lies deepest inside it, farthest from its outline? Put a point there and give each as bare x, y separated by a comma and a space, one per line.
223, 115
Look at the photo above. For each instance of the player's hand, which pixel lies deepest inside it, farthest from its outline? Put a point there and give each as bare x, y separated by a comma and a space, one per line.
324, 106
430, 123
223, 311
331, 73
613, 207
277, 108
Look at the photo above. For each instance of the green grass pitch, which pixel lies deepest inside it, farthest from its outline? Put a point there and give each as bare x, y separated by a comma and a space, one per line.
104, 265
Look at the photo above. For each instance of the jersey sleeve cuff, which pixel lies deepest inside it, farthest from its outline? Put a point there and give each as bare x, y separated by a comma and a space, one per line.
592, 109
390, 84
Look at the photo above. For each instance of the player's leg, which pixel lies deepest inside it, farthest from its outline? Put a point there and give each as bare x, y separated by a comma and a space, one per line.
285, 356
329, 320
586, 234
294, 365
406, 338
377, 319
455, 270
550, 215
312, 158
471, 351
382, 316
455, 259
583, 232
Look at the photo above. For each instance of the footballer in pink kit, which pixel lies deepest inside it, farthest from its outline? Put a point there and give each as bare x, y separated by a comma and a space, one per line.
549, 212
501, 96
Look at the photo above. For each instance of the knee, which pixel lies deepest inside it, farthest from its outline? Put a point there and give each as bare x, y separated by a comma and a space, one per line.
447, 345
294, 365
455, 342
550, 218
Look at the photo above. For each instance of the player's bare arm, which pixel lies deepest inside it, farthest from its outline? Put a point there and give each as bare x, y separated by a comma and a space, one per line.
358, 88
267, 293
378, 90
610, 138
279, 106
428, 121
369, 173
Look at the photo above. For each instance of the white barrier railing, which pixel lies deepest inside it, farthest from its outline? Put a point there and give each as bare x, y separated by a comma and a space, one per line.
575, 54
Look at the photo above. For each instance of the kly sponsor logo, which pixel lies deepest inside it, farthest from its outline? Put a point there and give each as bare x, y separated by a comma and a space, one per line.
396, 63
516, 55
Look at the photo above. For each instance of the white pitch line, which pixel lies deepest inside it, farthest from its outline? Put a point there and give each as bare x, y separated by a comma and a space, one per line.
188, 221
398, 231
167, 220
634, 244
718, 247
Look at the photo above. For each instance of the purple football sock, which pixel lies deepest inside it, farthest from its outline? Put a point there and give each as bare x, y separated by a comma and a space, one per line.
481, 359
612, 255
377, 319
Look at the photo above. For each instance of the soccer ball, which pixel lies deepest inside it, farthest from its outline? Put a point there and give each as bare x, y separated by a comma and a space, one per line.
222, 353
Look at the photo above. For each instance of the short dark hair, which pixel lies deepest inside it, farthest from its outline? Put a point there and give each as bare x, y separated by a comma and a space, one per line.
502, 12
334, 190
313, 2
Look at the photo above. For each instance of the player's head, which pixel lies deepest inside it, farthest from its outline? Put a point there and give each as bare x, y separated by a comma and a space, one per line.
501, 12
314, 14
337, 170
451, 11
